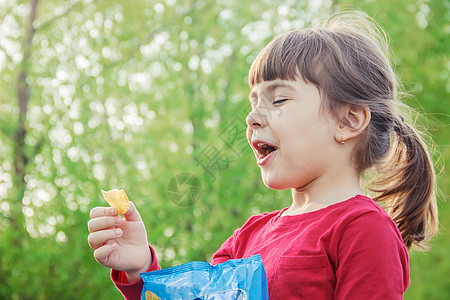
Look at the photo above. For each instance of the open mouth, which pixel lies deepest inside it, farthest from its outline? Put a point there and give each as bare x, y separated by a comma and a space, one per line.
264, 148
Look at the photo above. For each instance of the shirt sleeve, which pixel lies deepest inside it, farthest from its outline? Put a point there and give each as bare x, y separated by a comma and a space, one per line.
372, 261
132, 291
226, 251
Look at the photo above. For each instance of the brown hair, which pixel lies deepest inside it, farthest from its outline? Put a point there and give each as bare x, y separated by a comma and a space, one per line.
347, 59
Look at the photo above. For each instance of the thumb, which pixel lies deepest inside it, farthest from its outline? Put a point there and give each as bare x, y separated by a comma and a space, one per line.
132, 214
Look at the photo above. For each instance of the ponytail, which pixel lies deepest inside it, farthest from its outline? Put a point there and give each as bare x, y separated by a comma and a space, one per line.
408, 186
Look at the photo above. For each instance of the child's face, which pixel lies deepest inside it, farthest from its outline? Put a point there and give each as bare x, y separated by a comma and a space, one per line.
286, 115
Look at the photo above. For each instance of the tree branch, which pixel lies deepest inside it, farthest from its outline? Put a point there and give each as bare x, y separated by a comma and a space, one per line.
29, 30
20, 157
9, 57
38, 147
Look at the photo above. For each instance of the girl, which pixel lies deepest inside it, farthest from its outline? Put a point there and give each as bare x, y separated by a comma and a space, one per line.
339, 118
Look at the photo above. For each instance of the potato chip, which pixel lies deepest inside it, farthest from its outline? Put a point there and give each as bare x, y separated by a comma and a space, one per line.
117, 199
150, 296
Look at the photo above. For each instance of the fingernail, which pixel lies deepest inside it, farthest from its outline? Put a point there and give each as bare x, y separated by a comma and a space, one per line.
117, 231
114, 246
117, 221
112, 212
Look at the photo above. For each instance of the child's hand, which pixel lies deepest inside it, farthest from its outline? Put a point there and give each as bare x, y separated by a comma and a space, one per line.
119, 243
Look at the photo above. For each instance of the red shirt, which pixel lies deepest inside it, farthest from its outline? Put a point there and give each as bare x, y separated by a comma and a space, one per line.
348, 250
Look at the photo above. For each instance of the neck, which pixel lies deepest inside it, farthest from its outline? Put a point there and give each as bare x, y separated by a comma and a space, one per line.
324, 192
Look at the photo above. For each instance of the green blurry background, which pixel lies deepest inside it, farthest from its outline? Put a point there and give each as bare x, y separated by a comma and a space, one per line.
139, 94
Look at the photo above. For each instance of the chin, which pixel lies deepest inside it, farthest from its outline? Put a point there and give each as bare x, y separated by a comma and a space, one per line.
275, 184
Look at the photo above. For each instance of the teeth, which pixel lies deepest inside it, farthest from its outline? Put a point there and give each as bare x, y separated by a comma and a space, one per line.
266, 148
261, 145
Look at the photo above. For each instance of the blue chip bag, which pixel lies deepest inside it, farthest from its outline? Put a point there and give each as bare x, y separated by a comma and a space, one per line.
236, 279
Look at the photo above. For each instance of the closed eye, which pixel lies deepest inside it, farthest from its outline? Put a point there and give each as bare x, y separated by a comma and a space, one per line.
279, 101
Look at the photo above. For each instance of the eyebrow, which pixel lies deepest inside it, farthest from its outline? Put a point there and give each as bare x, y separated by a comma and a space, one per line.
273, 86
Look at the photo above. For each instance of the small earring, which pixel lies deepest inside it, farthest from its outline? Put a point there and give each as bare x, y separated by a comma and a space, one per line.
342, 139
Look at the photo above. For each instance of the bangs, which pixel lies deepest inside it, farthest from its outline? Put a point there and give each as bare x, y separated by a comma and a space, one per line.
287, 57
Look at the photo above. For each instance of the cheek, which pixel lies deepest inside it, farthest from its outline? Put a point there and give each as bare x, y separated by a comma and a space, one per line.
249, 134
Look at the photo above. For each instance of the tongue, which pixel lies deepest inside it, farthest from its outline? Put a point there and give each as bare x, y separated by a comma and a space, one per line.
269, 150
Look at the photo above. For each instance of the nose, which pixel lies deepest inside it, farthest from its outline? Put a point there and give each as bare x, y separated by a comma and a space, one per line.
255, 119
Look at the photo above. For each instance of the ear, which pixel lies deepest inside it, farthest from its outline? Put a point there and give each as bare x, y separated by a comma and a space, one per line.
353, 121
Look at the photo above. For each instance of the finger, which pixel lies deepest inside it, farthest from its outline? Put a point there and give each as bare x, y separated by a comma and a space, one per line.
102, 223
100, 238
102, 254
102, 212
132, 214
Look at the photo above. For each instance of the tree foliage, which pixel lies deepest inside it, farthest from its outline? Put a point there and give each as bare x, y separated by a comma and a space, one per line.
100, 94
